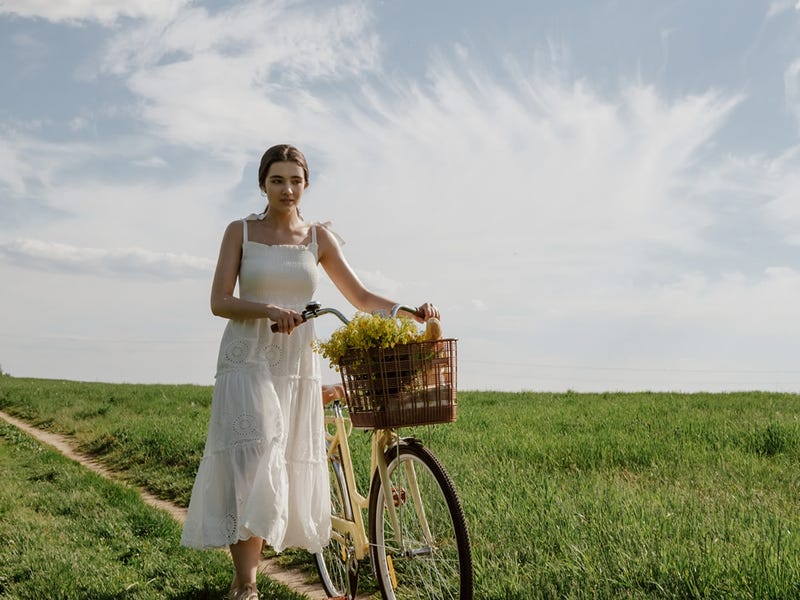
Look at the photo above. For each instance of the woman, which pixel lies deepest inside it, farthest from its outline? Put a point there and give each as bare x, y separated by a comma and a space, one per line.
263, 476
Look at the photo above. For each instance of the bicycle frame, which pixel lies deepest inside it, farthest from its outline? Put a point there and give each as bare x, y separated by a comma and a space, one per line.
339, 442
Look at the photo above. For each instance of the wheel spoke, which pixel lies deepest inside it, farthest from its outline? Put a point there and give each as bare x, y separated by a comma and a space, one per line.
434, 562
335, 562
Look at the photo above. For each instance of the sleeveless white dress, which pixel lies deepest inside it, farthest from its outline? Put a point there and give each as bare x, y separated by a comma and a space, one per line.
264, 470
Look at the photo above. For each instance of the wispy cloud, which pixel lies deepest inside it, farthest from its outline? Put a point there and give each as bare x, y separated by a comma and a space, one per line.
791, 82
102, 11
244, 73
121, 263
761, 189
15, 170
530, 169
778, 7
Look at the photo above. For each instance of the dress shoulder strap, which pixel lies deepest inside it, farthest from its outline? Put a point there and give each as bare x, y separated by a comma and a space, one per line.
314, 241
244, 231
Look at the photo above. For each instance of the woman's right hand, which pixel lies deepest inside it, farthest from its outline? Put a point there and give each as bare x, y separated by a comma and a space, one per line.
284, 318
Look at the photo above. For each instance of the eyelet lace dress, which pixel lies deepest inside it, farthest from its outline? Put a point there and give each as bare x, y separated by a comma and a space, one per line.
263, 471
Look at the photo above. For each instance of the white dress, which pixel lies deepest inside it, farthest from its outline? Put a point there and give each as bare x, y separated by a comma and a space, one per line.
263, 471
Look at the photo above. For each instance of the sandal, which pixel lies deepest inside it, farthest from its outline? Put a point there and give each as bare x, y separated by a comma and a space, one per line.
247, 592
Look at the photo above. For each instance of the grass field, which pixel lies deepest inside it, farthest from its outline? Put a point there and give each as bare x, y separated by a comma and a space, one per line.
67, 533
567, 495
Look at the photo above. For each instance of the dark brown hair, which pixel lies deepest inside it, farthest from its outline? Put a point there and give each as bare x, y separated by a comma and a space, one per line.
281, 153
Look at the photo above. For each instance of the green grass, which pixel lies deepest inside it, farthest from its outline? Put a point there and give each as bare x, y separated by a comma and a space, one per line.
153, 434
567, 495
68, 533
631, 495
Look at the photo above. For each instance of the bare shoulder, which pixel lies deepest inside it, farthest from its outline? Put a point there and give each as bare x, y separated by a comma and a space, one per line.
326, 235
232, 239
233, 232
328, 242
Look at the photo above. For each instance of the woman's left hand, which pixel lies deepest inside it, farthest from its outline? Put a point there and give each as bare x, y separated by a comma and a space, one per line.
428, 311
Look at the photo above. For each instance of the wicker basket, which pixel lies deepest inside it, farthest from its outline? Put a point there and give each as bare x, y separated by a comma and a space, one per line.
410, 384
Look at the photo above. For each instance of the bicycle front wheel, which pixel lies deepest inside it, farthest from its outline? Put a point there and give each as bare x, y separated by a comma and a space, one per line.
429, 557
336, 564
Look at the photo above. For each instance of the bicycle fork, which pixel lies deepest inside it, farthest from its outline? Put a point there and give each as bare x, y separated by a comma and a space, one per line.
385, 438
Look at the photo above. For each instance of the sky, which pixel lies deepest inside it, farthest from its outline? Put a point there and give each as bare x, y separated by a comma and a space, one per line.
599, 195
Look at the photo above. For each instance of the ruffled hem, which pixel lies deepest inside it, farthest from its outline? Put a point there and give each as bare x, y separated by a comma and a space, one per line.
264, 470
254, 501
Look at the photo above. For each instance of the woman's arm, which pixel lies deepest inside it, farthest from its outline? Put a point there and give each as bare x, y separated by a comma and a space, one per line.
344, 278
225, 304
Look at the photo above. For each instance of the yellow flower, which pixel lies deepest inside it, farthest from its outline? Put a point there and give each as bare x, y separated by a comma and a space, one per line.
365, 332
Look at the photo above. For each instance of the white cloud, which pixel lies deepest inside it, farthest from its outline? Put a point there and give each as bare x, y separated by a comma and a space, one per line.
543, 176
78, 123
15, 170
791, 83
763, 187
778, 7
151, 161
31, 164
117, 262
81, 193
102, 11
228, 80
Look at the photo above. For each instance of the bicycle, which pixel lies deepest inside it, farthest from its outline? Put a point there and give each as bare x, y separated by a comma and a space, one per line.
418, 540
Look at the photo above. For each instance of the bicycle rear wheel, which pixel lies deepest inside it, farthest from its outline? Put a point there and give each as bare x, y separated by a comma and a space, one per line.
336, 564
433, 560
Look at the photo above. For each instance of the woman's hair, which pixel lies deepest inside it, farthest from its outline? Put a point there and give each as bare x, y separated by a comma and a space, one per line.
281, 153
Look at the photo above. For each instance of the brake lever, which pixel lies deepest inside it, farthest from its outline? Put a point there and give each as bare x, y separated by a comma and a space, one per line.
309, 312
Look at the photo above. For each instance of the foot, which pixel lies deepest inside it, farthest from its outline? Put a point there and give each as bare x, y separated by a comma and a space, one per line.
247, 592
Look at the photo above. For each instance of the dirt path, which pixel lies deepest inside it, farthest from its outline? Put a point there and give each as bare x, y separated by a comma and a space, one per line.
295, 580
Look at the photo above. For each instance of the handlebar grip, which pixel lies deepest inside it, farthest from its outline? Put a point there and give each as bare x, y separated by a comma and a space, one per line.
411, 309
274, 326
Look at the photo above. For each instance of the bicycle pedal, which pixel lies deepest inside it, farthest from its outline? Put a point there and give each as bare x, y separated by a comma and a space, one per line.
398, 496
392, 574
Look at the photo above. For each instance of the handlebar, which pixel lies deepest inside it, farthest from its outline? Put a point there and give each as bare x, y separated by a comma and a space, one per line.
315, 309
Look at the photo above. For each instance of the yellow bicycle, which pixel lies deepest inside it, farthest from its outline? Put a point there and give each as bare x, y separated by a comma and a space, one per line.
417, 536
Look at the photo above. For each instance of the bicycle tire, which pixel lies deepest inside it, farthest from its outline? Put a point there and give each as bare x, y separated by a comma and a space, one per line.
426, 571
336, 564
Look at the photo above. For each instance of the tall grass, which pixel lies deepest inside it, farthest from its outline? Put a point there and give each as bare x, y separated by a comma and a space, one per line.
153, 434
567, 495
631, 495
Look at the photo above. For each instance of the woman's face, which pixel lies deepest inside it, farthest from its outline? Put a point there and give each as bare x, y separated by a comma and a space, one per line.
284, 186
